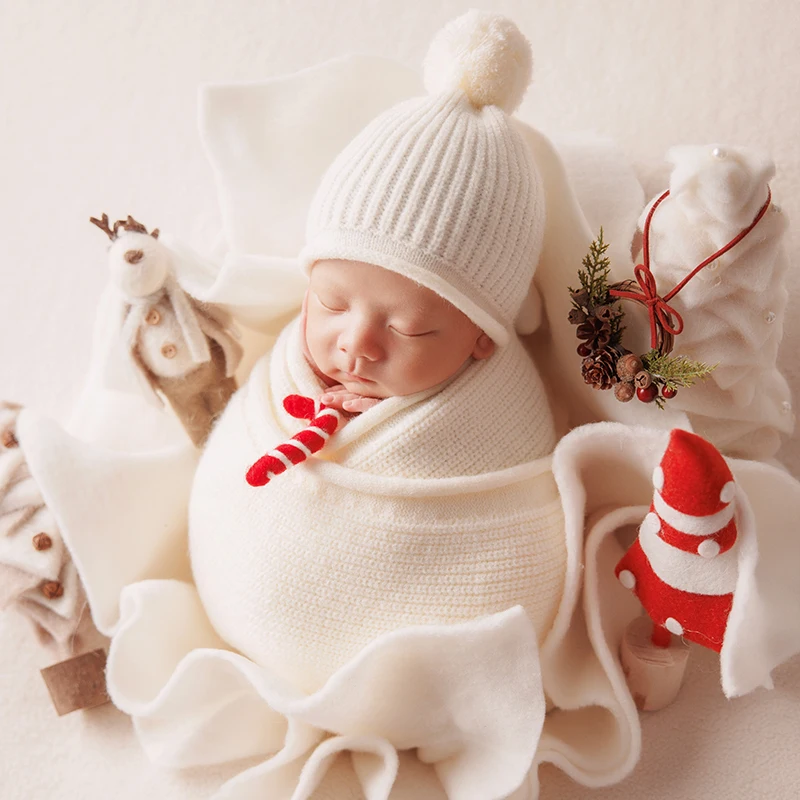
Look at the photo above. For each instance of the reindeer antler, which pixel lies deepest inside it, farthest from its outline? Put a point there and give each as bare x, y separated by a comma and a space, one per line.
130, 225
102, 223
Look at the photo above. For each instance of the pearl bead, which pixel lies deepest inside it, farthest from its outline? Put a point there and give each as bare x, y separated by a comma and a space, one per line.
770, 317
718, 152
786, 407
673, 626
717, 282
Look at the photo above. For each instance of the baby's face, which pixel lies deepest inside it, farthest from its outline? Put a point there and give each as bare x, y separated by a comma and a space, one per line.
382, 335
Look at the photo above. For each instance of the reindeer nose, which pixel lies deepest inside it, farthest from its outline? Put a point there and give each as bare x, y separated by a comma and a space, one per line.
134, 256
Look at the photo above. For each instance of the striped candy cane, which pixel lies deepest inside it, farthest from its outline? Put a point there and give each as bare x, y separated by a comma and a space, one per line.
302, 445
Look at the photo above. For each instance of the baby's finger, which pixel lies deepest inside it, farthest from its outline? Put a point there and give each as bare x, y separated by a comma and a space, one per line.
360, 404
337, 398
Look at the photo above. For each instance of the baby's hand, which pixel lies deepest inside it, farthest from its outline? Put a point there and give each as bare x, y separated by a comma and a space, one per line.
340, 398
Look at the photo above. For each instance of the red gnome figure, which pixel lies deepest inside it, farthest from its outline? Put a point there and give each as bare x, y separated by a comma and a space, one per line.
683, 565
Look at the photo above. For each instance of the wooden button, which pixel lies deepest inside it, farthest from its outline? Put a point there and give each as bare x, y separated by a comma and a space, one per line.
169, 351
52, 589
78, 682
153, 317
42, 541
8, 439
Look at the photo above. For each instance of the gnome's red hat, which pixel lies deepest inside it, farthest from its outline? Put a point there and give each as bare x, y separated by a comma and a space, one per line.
693, 477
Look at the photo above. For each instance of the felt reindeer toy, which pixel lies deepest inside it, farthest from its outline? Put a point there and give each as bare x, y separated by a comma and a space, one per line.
185, 349
683, 565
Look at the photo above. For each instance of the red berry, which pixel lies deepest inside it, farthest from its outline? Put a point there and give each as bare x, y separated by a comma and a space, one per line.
584, 350
647, 393
668, 392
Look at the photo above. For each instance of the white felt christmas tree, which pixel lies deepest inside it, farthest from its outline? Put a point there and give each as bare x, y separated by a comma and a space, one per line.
733, 309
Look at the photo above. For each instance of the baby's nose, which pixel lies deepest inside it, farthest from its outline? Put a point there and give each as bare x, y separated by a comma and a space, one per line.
361, 341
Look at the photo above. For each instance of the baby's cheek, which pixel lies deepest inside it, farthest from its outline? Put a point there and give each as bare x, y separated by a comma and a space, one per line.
422, 366
318, 337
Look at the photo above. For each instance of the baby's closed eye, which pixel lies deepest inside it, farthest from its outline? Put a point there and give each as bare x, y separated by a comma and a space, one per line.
410, 332
332, 303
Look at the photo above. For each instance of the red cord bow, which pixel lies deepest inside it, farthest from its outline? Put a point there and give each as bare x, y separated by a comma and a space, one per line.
661, 313
657, 307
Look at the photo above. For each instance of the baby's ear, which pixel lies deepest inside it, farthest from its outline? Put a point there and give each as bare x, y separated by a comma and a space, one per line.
484, 347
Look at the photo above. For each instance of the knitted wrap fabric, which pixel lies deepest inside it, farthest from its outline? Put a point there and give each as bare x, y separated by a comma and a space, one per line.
406, 517
442, 188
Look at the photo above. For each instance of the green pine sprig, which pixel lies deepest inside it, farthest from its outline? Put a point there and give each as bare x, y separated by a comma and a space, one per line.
675, 371
596, 272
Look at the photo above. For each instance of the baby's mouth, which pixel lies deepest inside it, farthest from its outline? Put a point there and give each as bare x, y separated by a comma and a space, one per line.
353, 377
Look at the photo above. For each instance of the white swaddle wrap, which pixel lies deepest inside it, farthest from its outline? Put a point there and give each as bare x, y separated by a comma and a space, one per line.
414, 514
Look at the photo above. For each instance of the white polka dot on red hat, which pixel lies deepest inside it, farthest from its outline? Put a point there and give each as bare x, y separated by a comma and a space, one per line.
708, 548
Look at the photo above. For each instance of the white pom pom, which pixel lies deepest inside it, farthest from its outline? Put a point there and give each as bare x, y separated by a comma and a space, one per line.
484, 54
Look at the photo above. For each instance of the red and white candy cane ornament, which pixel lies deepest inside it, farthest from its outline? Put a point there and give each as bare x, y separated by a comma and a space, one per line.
324, 423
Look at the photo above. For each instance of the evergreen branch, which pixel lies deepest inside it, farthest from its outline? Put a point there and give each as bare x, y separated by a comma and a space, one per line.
675, 371
596, 272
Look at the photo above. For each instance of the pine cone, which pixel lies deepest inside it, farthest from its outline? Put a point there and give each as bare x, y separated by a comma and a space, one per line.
580, 296
576, 316
604, 313
596, 333
599, 370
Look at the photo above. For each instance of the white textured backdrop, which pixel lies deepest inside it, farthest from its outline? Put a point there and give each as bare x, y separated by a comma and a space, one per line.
98, 114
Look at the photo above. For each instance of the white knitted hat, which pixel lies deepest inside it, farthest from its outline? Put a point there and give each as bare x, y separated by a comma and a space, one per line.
442, 188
